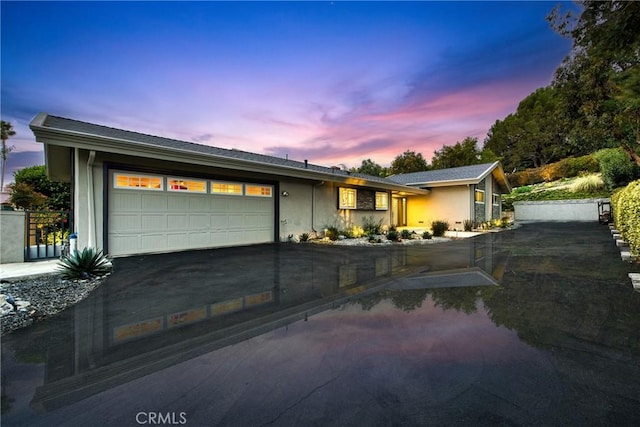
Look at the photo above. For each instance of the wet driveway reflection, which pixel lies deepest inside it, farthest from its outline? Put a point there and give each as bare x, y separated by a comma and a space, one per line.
534, 326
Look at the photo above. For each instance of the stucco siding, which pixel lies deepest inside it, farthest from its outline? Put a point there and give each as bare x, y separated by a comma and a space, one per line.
451, 204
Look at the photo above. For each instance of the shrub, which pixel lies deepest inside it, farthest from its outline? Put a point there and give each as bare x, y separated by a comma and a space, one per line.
467, 224
626, 213
84, 264
304, 237
588, 183
405, 234
370, 226
439, 227
331, 233
426, 235
392, 235
617, 169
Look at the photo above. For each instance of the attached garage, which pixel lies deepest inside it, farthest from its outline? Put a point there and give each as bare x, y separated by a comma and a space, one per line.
158, 213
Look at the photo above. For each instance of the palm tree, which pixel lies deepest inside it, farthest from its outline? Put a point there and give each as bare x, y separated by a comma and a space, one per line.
6, 132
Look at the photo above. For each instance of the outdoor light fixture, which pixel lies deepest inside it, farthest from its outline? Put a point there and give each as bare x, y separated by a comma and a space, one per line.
285, 194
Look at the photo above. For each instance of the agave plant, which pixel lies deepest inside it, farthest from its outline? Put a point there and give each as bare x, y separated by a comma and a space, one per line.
84, 264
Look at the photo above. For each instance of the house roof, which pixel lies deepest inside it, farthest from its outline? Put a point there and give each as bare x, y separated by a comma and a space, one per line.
454, 176
73, 133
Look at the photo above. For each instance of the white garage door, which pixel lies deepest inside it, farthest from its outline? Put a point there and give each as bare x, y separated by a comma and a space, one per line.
156, 213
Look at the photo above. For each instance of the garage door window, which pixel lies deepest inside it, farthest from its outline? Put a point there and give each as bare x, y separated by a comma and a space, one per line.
137, 182
187, 185
258, 190
228, 188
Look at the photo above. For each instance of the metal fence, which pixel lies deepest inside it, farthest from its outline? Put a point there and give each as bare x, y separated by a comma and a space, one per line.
46, 234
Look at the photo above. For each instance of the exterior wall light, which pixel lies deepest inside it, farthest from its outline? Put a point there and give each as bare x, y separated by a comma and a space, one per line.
285, 194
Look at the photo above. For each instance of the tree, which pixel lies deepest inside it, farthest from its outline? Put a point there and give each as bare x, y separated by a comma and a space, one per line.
34, 190
463, 153
408, 162
600, 79
536, 134
369, 167
6, 131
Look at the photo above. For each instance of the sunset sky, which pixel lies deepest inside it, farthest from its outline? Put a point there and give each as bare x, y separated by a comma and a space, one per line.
331, 82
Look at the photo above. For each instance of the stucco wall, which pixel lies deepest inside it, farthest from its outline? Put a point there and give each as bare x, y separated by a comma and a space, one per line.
557, 210
11, 236
451, 204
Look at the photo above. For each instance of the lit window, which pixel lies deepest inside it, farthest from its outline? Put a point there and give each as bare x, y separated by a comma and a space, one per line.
258, 190
347, 198
382, 201
139, 182
496, 200
230, 188
479, 196
187, 185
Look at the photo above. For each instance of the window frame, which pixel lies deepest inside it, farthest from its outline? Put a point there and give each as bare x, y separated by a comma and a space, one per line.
496, 199
475, 196
129, 175
380, 207
351, 193
186, 190
226, 193
262, 186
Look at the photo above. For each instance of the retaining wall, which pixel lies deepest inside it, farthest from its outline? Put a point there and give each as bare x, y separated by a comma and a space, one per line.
558, 210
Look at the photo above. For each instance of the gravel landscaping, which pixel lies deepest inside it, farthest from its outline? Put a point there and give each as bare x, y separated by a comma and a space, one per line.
40, 297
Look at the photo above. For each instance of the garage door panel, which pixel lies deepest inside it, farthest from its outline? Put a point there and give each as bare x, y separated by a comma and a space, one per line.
154, 202
120, 223
142, 221
151, 242
200, 203
153, 222
178, 240
126, 201
200, 221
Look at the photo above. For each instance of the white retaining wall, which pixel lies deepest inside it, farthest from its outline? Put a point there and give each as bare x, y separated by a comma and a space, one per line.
557, 210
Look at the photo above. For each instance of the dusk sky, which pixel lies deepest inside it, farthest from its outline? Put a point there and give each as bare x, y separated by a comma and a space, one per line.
331, 82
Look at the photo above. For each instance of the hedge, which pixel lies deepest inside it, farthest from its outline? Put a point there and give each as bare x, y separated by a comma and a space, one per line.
626, 214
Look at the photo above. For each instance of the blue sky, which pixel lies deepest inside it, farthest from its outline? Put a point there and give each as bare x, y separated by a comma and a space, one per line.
331, 82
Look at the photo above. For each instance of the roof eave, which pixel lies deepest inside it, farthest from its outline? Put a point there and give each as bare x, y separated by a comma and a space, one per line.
75, 139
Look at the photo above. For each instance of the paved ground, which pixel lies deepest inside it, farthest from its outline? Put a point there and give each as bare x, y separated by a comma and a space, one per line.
27, 269
535, 326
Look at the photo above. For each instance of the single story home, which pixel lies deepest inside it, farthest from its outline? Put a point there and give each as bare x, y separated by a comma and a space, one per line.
134, 193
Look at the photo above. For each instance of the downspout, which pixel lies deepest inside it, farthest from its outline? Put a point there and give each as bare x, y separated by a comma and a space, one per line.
313, 205
90, 202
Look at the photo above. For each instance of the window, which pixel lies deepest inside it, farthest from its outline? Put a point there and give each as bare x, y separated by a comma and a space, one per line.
230, 188
346, 198
382, 201
137, 182
187, 185
496, 200
479, 196
258, 190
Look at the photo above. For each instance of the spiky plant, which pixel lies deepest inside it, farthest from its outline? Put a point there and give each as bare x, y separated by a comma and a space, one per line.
84, 264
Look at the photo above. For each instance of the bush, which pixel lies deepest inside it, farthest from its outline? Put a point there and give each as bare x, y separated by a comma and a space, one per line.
439, 227
405, 234
332, 233
588, 183
370, 226
467, 224
617, 169
393, 235
84, 264
626, 213
426, 235
304, 237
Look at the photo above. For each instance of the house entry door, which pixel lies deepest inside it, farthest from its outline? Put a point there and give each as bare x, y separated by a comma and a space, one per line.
399, 211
